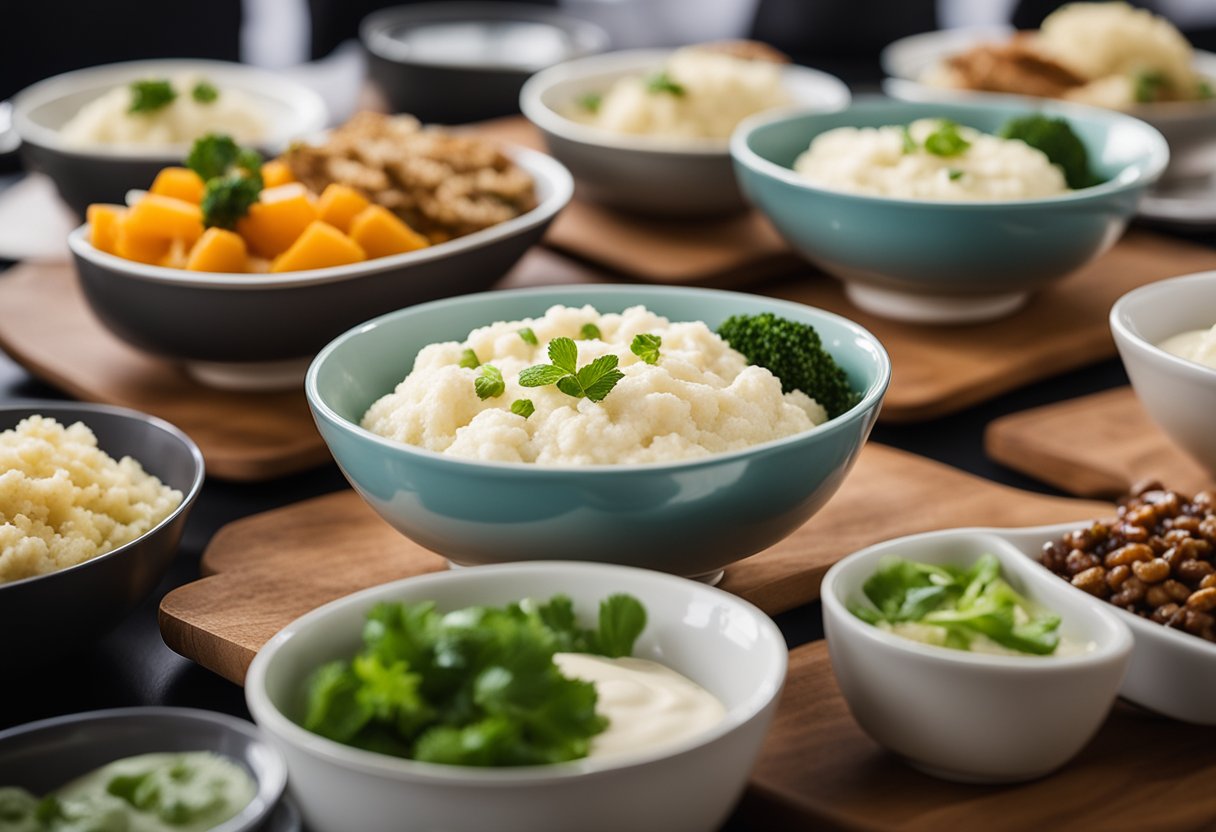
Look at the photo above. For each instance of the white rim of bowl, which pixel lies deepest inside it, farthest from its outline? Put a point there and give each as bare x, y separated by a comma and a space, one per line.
263, 710
541, 167
1121, 639
1123, 325
1156, 152
188, 495
613, 65
307, 106
871, 397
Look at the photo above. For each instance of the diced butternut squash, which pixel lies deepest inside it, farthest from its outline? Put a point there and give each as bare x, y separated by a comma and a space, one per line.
156, 215
218, 250
133, 244
320, 246
339, 204
103, 225
275, 173
179, 183
277, 219
177, 256
379, 232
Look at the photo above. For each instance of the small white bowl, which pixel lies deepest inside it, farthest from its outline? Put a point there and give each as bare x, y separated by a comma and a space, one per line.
650, 175
1179, 395
719, 641
967, 716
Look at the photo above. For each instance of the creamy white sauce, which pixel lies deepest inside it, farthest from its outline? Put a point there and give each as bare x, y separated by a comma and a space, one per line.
1198, 345
648, 704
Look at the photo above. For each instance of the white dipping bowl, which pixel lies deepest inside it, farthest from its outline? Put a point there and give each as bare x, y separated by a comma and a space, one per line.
1179, 395
719, 641
967, 716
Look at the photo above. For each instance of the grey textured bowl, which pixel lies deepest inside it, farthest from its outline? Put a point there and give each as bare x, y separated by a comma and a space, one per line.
42, 756
257, 331
62, 610
455, 62
105, 173
647, 174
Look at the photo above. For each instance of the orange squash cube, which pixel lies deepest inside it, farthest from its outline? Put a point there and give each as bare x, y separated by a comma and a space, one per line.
218, 250
380, 233
103, 225
165, 216
179, 183
320, 246
275, 173
339, 204
277, 219
133, 244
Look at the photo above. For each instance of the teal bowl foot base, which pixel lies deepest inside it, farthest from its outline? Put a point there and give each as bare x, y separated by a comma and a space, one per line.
933, 309
709, 578
263, 376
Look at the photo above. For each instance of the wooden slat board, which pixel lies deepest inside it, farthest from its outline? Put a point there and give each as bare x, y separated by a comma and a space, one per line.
1094, 446
818, 770
266, 570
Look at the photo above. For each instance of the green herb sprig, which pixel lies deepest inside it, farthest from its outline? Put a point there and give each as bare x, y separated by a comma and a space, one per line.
646, 347
469, 359
150, 95
528, 336
489, 384
946, 140
591, 101
661, 83
593, 381
523, 407
204, 92
590, 332
233, 175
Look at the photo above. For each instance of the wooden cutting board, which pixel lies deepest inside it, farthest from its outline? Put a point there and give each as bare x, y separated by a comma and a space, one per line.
1094, 446
818, 770
268, 569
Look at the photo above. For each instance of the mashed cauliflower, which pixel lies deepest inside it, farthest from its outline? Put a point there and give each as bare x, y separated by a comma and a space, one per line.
108, 121
701, 398
877, 161
64, 501
699, 94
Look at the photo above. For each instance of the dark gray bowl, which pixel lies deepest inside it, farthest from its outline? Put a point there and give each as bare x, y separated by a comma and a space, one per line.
105, 173
257, 331
459, 62
64, 610
42, 756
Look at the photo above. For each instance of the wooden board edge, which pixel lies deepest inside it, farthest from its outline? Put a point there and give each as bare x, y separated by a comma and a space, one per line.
226, 660
1004, 443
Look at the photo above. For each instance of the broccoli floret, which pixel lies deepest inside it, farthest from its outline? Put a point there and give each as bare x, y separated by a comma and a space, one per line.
792, 352
1059, 144
233, 177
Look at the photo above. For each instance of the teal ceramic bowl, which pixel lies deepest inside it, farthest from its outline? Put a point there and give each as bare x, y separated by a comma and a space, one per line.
946, 262
689, 518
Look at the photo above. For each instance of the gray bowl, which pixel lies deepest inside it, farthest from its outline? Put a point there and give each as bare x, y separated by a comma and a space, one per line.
63, 610
105, 173
655, 176
459, 62
44, 755
258, 331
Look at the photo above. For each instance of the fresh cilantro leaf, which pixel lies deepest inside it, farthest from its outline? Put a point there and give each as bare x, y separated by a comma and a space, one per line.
1149, 85
661, 82
591, 101
564, 354
955, 174
523, 407
150, 95
528, 336
909, 142
204, 92
646, 347
946, 140
589, 332
541, 375
490, 383
335, 709
469, 360
622, 620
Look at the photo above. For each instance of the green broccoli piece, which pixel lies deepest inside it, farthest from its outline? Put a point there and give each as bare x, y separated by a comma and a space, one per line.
794, 353
229, 197
1056, 139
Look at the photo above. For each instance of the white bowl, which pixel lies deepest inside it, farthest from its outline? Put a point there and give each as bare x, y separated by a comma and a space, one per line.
649, 174
1179, 395
723, 643
1188, 127
967, 716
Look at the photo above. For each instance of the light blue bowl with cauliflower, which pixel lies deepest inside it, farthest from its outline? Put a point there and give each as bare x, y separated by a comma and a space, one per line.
897, 218
541, 486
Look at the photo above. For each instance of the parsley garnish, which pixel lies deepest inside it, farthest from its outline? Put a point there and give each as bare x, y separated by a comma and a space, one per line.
591, 101
946, 140
909, 142
150, 95
646, 347
955, 174
1149, 85
523, 407
589, 331
469, 359
528, 336
593, 381
216, 154
204, 92
489, 384
233, 175
661, 82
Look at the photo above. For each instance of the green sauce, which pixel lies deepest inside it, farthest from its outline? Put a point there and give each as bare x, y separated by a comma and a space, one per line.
174, 792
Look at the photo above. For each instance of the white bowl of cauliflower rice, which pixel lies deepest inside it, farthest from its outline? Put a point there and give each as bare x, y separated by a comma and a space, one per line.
93, 500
